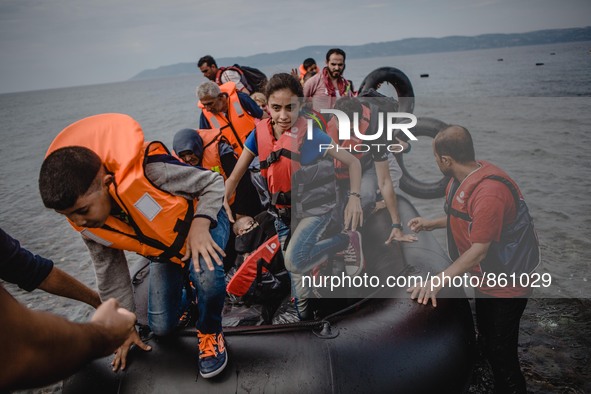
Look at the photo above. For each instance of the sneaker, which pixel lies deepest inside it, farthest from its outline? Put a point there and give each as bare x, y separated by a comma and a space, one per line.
212, 354
353, 255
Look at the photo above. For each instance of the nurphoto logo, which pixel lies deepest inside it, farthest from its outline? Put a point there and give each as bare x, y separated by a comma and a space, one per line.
390, 128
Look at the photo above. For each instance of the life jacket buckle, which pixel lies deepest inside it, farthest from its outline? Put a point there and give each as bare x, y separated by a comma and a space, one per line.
273, 157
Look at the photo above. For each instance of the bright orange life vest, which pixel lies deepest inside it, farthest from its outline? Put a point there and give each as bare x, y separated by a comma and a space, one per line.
157, 222
211, 159
237, 125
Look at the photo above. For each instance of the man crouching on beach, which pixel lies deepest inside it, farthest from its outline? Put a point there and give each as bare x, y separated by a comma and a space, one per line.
122, 193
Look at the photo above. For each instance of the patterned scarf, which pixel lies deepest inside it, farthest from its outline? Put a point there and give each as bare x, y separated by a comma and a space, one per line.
342, 84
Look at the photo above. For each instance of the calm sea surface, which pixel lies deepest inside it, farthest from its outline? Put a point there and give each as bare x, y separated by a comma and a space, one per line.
533, 121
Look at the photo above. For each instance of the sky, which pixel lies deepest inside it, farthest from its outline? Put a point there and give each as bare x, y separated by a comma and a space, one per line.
58, 43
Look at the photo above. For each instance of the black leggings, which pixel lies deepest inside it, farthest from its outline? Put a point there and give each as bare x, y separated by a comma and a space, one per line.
498, 324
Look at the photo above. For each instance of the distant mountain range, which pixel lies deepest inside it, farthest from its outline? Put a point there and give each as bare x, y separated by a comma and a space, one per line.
408, 46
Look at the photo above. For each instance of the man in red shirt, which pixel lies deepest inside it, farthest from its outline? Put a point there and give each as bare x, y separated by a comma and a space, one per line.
480, 208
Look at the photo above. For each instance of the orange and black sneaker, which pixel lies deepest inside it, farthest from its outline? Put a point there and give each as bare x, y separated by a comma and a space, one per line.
213, 356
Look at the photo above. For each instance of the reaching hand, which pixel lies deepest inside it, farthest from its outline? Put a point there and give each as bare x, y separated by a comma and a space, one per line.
120, 359
397, 235
116, 322
419, 224
425, 293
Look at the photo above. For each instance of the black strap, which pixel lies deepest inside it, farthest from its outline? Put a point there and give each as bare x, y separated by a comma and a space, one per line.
275, 155
452, 247
281, 198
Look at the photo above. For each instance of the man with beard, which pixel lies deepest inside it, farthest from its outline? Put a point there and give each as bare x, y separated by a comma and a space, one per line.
324, 88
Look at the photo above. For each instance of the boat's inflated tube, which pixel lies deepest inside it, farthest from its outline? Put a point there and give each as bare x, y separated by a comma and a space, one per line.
395, 77
426, 127
379, 345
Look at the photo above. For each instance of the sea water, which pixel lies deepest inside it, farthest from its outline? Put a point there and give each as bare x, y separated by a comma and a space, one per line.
533, 121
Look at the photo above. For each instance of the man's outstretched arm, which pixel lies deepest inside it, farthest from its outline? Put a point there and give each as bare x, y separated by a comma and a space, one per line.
39, 348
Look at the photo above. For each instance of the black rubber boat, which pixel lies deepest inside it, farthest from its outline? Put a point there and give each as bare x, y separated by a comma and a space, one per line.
375, 345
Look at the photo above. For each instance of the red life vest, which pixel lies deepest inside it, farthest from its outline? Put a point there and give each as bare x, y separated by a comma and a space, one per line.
517, 251
157, 222
313, 184
341, 169
237, 125
247, 273
458, 209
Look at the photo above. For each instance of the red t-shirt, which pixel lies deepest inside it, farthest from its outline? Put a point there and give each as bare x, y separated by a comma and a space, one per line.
491, 206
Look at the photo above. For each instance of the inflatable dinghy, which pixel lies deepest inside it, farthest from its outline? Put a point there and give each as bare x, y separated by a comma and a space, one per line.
387, 343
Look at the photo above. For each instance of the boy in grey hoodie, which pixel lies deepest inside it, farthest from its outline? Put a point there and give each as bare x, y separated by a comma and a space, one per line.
83, 178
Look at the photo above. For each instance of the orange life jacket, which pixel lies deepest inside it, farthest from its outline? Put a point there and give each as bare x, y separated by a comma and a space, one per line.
237, 125
157, 222
313, 184
211, 150
211, 153
341, 169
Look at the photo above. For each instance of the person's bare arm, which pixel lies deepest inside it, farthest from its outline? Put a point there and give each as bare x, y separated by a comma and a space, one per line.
39, 348
353, 212
60, 283
232, 182
387, 191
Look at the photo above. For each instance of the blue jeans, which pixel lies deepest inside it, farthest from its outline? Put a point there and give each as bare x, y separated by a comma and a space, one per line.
306, 250
168, 296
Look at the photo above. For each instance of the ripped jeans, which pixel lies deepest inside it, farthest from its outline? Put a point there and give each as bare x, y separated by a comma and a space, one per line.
168, 296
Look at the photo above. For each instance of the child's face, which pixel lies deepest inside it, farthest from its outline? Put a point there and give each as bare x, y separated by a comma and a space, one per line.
284, 109
94, 207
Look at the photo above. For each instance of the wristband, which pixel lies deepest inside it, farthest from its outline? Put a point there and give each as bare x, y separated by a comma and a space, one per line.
397, 225
349, 194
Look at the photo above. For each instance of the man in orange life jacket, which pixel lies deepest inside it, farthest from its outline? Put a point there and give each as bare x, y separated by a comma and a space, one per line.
484, 207
234, 113
122, 193
210, 70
